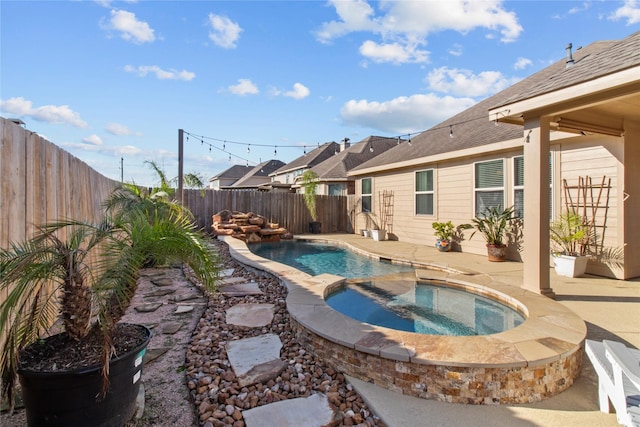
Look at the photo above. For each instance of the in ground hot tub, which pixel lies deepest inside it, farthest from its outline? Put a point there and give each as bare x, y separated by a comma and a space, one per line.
534, 360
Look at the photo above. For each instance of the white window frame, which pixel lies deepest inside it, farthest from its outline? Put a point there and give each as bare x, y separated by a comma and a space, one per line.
477, 190
369, 195
521, 187
425, 192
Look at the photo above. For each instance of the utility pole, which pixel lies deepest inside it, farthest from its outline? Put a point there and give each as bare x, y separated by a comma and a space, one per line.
121, 169
180, 164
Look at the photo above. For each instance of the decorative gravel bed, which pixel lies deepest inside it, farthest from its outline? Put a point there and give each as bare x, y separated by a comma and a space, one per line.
219, 398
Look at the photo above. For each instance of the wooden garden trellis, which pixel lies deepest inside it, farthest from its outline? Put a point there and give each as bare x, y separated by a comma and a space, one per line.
385, 203
586, 199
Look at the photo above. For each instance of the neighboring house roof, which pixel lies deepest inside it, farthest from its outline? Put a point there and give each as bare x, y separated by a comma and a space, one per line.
310, 159
235, 171
472, 127
336, 167
257, 175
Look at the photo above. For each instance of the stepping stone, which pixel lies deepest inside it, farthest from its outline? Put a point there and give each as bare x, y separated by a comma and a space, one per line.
160, 292
171, 327
227, 272
242, 289
185, 297
153, 353
162, 282
312, 411
183, 309
256, 359
232, 281
250, 315
148, 307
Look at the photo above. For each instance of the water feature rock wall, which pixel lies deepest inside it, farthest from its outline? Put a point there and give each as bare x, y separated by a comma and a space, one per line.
249, 227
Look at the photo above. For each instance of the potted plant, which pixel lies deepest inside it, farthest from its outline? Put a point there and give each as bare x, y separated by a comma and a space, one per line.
569, 236
493, 224
310, 185
84, 275
446, 233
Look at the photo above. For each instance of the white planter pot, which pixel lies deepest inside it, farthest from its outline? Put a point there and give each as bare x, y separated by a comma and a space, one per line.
379, 235
366, 233
570, 266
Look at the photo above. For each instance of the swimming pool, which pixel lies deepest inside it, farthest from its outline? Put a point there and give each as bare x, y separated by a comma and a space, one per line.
406, 304
317, 258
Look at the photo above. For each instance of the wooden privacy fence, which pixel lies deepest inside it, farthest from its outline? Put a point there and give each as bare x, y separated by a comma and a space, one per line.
41, 183
287, 209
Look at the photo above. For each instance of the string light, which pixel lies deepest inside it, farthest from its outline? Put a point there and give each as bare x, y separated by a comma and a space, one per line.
204, 139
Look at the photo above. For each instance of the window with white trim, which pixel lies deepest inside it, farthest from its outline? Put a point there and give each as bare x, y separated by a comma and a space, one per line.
367, 194
424, 198
518, 186
489, 185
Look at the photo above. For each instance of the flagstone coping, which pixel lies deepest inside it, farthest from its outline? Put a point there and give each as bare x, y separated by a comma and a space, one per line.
547, 321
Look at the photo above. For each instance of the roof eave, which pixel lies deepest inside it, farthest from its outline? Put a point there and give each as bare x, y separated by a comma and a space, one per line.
566, 99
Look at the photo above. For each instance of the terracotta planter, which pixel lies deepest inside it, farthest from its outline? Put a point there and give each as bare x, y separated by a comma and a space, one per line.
497, 253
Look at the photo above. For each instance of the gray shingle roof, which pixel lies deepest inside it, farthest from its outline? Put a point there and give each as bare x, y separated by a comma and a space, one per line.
235, 171
472, 127
605, 57
312, 158
261, 170
338, 165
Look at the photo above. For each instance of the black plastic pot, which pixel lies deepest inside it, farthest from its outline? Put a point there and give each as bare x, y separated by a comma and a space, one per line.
69, 398
314, 227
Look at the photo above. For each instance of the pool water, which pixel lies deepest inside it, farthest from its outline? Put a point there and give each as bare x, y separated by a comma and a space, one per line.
317, 258
423, 307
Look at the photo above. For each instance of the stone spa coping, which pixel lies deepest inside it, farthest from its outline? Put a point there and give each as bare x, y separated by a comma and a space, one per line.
550, 332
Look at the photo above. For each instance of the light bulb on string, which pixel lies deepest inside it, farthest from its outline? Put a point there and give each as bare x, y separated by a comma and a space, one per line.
305, 149
229, 157
248, 150
398, 141
275, 151
450, 131
224, 145
209, 148
371, 148
409, 138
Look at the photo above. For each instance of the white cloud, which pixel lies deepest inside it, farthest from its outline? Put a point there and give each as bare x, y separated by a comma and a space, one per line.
396, 53
122, 150
403, 26
465, 83
120, 130
244, 87
299, 91
455, 50
56, 114
92, 140
224, 32
403, 114
522, 63
630, 12
130, 28
143, 70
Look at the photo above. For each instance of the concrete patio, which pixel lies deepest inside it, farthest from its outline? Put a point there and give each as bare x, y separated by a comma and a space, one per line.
610, 309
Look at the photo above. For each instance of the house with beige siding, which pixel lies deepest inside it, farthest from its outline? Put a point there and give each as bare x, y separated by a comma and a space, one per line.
571, 128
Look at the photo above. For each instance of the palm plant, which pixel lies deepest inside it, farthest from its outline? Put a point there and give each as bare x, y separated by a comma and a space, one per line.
569, 234
493, 224
85, 274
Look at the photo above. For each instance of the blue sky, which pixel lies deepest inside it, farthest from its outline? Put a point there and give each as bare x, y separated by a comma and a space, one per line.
107, 80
